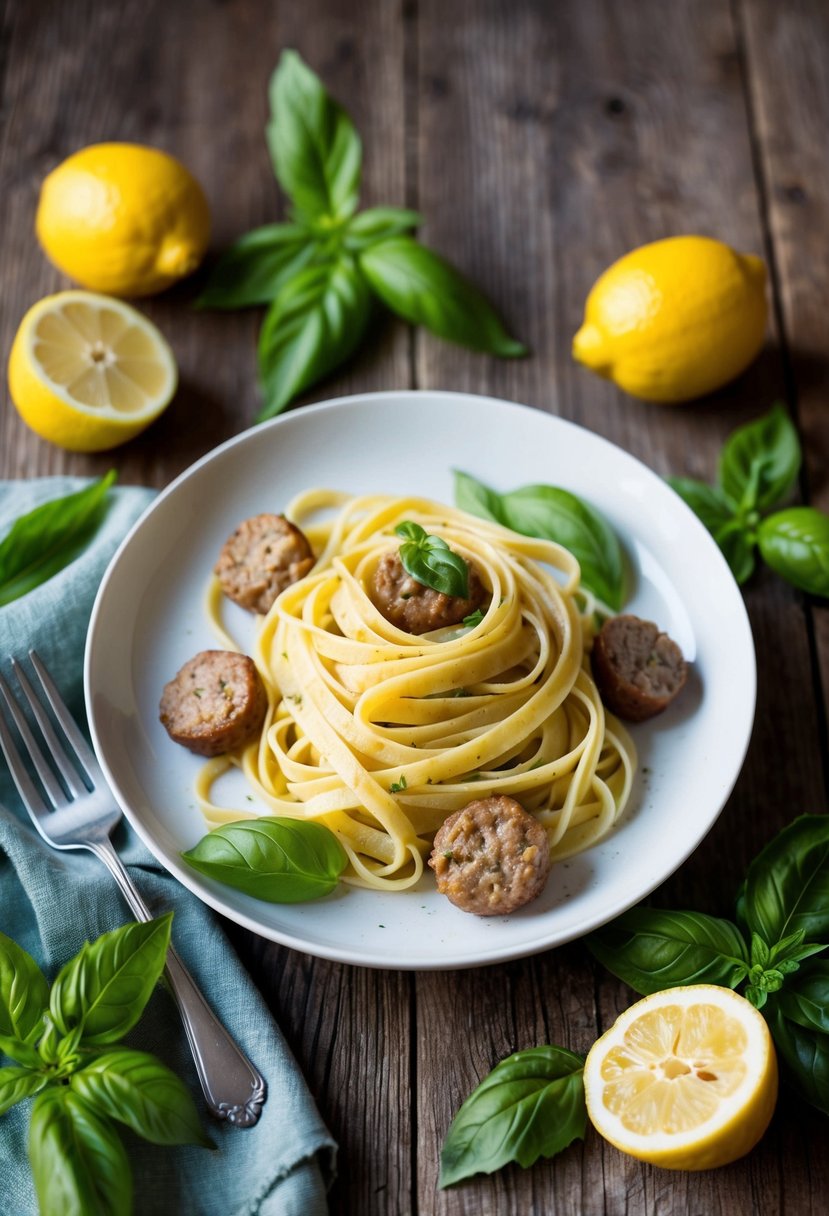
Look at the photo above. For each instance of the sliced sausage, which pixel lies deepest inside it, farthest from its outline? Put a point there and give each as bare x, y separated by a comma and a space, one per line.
260, 559
215, 703
416, 608
491, 857
637, 668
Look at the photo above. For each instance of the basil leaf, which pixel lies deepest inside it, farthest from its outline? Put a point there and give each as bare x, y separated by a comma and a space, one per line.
45, 540
105, 987
737, 548
79, 1165
709, 503
531, 1105
17, 1084
316, 152
316, 322
805, 999
20, 1052
795, 543
787, 883
24, 992
138, 1090
651, 949
551, 513
378, 223
430, 561
255, 267
278, 860
804, 1053
424, 289
759, 462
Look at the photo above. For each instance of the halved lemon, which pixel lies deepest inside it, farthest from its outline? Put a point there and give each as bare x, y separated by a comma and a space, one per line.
685, 1079
88, 372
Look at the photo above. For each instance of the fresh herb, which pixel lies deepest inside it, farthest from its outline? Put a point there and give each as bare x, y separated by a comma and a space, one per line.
322, 273
531, 1105
430, 561
282, 861
397, 787
758, 467
47, 539
64, 1042
782, 920
554, 514
470, 622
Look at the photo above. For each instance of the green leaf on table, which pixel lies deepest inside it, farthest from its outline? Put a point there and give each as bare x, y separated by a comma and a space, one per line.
795, 543
137, 1089
424, 289
803, 1052
651, 949
315, 149
315, 323
429, 560
377, 224
45, 540
738, 549
718, 514
760, 461
787, 883
24, 992
16, 1084
531, 1105
804, 999
255, 267
106, 986
79, 1164
19, 1051
274, 859
551, 513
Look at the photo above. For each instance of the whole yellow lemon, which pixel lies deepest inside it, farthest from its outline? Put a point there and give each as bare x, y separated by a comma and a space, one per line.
675, 319
123, 219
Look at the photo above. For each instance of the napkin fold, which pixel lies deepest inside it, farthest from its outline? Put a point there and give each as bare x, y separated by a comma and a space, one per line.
51, 902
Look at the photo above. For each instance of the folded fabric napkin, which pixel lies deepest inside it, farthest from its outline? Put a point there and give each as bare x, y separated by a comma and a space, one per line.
51, 902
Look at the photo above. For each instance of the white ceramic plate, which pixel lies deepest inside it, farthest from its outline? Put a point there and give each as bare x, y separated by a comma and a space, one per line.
148, 619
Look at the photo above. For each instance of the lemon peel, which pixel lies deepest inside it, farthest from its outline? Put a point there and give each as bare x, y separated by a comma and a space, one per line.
88, 372
674, 320
123, 218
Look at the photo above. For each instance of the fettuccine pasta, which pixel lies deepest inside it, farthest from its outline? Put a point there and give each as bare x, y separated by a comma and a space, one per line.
380, 734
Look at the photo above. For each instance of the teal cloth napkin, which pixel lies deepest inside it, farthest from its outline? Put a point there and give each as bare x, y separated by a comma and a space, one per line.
51, 902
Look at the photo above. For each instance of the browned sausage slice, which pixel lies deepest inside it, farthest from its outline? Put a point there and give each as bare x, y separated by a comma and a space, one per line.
637, 668
215, 703
260, 559
416, 608
491, 857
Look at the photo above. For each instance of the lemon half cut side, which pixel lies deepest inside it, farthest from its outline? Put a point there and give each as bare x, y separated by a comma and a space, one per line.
89, 372
685, 1079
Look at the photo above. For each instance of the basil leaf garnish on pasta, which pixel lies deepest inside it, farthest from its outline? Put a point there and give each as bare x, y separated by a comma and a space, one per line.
430, 561
531, 1105
279, 860
551, 513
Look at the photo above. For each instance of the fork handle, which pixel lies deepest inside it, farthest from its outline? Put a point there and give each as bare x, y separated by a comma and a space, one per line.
233, 1088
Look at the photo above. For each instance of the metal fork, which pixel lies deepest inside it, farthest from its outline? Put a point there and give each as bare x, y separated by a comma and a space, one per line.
83, 818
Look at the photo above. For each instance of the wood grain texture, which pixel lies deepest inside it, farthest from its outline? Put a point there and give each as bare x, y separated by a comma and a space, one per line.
540, 141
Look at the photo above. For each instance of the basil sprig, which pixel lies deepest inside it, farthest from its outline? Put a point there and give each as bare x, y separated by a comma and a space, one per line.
279, 860
551, 513
64, 1042
323, 272
430, 561
531, 1105
782, 920
758, 467
48, 538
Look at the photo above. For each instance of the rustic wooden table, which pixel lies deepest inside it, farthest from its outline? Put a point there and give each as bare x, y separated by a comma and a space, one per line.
540, 141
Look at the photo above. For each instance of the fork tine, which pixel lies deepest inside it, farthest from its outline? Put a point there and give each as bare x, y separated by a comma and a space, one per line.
58, 753
82, 749
25, 786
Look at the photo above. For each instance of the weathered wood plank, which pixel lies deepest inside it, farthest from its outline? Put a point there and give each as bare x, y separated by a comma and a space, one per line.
787, 51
